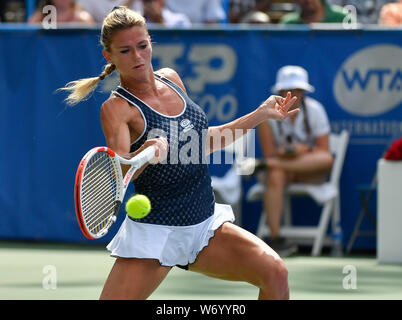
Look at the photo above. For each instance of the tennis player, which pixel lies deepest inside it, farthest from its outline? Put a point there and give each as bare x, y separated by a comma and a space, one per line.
185, 228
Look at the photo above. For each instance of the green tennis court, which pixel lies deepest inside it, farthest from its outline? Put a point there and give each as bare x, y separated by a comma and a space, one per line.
55, 271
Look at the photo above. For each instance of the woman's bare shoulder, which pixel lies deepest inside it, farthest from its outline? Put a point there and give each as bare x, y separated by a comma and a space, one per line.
117, 108
172, 75
115, 103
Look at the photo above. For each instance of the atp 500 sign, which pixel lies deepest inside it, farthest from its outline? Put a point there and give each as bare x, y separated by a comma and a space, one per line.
211, 64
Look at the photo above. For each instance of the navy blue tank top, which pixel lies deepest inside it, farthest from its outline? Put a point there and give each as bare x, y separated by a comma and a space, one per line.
180, 188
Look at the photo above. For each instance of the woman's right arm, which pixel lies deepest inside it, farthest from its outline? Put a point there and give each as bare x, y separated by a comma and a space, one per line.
115, 116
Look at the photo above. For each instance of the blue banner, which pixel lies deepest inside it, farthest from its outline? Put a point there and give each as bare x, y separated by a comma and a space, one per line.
228, 72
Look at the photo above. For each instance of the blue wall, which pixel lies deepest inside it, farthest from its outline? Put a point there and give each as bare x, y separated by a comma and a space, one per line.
229, 72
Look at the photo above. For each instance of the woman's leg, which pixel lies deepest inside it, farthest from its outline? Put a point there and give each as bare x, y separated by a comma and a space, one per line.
311, 167
276, 180
236, 254
318, 162
133, 279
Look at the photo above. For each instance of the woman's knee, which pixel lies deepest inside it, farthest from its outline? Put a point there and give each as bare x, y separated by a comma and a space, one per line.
324, 160
275, 279
329, 160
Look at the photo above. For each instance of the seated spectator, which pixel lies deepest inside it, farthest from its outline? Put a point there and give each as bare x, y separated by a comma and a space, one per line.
155, 11
314, 11
200, 11
391, 14
294, 150
99, 9
66, 10
239, 9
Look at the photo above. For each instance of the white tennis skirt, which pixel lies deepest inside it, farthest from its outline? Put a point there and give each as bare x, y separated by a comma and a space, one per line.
171, 245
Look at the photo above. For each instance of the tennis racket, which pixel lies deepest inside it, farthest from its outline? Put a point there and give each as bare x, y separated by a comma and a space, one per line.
100, 188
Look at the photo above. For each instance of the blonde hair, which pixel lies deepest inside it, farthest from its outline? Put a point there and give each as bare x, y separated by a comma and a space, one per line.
119, 18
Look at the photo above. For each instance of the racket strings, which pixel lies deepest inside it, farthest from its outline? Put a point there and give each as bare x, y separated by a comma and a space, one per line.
95, 162
100, 215
99, 189
99, 198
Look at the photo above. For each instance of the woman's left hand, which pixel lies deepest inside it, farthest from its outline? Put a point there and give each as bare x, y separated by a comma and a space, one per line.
277, 107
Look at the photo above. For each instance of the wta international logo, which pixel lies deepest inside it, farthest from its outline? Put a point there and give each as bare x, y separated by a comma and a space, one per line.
370, 81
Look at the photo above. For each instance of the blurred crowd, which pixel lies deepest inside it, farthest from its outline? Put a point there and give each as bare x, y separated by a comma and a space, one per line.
186, 13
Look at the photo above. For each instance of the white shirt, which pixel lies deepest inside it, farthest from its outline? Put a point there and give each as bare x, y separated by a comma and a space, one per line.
199, 11
175, 19
99, 9
318, 121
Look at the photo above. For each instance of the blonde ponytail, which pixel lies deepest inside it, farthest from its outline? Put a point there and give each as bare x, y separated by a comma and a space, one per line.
119, 18
81, 89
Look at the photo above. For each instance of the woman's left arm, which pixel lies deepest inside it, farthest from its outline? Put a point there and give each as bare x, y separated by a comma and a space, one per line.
275, 107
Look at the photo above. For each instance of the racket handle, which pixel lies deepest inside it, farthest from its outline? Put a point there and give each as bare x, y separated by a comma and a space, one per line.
112, 220
144, 156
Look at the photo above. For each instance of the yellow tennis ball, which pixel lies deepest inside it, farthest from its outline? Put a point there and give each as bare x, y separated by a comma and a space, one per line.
138, 206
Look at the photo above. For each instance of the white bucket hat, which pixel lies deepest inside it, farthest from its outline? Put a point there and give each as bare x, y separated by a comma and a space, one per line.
292, 77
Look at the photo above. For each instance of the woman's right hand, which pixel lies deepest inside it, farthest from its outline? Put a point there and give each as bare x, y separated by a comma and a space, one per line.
162, 148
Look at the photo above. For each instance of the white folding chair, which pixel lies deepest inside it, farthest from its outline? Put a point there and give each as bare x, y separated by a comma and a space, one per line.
326, 195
